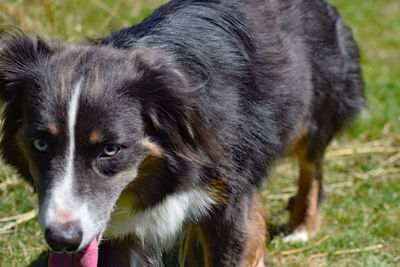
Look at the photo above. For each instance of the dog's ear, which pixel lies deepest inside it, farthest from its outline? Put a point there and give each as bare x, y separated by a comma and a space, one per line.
171, 110
19, 56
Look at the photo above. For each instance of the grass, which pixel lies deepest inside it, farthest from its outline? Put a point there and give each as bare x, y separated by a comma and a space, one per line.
362, 172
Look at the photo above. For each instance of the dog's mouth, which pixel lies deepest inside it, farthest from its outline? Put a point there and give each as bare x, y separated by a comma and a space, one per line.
86, 257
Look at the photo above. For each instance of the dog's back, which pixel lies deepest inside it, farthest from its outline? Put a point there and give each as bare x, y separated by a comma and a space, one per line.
294, 54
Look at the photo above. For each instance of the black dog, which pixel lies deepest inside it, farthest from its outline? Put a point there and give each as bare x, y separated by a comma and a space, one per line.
173, 122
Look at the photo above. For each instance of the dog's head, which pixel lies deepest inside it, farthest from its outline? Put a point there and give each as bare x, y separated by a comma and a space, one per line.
79, 123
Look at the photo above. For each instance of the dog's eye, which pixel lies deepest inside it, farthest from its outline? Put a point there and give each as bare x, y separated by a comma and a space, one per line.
40, 145
110, 150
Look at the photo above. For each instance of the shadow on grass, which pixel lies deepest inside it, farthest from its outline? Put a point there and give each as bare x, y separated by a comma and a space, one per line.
40, 261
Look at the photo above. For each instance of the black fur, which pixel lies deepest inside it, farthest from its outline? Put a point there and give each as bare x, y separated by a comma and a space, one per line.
223, 86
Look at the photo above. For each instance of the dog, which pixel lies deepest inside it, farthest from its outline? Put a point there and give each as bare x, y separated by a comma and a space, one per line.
155, 140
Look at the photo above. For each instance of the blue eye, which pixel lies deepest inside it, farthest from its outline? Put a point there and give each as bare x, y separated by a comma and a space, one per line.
40, 145
110, 151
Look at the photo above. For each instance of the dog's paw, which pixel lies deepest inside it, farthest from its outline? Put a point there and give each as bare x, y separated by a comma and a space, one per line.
296, 236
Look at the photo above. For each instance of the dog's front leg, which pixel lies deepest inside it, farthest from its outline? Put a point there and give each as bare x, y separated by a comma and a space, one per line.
235, 235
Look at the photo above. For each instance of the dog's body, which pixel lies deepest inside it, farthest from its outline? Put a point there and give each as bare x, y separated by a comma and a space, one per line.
176, 120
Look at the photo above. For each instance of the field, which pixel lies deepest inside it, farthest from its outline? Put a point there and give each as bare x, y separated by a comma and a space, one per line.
360, 217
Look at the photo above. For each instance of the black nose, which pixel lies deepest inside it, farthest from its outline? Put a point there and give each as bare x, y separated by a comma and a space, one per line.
64, 237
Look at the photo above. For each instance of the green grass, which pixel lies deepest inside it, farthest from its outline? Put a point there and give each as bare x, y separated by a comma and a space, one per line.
362, 209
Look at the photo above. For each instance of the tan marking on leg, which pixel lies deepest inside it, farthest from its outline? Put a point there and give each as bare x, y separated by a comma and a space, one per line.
253, 254
95, 137
299, 144
53, 129
154, 149
304, 215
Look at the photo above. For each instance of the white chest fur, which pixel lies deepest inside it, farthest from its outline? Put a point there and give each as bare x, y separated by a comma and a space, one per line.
161, 223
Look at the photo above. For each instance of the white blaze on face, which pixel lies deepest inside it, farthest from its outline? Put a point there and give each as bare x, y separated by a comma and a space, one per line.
61, 203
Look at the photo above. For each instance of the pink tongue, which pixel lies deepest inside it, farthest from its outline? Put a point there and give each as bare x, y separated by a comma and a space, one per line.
85, 258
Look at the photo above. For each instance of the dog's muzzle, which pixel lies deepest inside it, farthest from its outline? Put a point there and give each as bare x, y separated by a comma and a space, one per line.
65, 237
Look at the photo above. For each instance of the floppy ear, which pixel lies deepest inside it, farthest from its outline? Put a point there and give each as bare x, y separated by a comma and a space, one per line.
19, 58
19, 55
172, 112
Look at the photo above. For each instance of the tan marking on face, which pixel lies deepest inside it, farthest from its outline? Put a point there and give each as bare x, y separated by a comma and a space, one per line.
154, 149
95, 137
253, 253
53, 129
